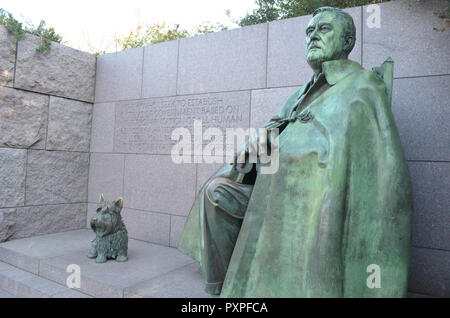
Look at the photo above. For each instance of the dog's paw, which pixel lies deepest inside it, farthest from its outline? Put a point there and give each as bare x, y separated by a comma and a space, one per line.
100, 259
121, 258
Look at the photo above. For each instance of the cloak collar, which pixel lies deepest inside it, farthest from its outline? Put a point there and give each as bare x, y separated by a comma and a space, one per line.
334, 71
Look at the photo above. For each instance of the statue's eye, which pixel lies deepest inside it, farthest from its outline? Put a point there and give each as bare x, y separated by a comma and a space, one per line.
325, 28
309, 31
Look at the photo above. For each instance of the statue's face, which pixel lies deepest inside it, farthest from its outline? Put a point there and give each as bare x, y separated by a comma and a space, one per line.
324, 39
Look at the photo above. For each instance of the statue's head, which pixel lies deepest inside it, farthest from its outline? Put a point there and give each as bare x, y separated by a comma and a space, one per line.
330, 35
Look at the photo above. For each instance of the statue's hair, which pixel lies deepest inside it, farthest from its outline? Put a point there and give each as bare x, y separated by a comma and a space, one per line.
349, 25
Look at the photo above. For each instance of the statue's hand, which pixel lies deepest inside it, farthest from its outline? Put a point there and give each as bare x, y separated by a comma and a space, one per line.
256, 146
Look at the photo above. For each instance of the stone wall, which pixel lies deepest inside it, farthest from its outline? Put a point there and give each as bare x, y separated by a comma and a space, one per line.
45, 126
247, 73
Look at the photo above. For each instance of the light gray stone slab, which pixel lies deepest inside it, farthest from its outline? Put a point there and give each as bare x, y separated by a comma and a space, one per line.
267, 102
7, 222
47, 219
406, 34
160, 69
56, 177
428, 272
146, 126
4, 294
11, 279
128, 74
176, 228
22, 261
119, 76
24, 118
26, 253
147, 226
420, 108
155, 183
287, 64
7, 56
145, 261
19, 283
69, 125
104, 77
186, 282
223, 61
102, 132
50, 245
105, 176
62, 71
12, 182
431, 188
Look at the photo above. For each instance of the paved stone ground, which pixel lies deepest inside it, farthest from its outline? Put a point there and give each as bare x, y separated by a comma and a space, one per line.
36, 267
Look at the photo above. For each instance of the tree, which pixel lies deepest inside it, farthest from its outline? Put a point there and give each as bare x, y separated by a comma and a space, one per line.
270, 10
145, 34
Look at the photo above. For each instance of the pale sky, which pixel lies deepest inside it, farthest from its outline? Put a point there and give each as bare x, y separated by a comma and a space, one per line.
81, 22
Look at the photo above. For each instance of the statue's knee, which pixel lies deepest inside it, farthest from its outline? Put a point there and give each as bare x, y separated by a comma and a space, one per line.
213, 191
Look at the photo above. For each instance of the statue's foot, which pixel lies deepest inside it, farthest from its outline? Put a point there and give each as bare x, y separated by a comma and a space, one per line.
92, 255
100, 259
121, 258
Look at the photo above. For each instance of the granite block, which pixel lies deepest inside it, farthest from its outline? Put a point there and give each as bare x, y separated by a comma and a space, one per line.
428, 273
102, 132
13, 173
147, 126
47, 219
69, 125
431, 188
223, 61
160, 69
155, 183
410, 33
147, 226
62, 71
7, 56
105, 176
128, 74
56, 177
105, 77
24, 118
421, 112
185, 282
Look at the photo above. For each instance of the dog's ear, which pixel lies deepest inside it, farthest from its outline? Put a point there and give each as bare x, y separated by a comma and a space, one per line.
119, 203
102, 199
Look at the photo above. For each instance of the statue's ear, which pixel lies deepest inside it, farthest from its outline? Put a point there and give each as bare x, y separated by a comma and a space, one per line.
119, 203
349, 43
102, 199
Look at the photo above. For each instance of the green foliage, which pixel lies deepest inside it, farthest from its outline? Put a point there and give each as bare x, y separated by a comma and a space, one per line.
157, 33
270, 10
47, 35
15, 26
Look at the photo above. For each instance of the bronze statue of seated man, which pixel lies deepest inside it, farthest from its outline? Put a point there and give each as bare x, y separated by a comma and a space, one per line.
335, 219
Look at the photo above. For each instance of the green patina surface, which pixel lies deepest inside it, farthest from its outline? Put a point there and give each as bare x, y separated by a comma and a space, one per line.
340, 201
